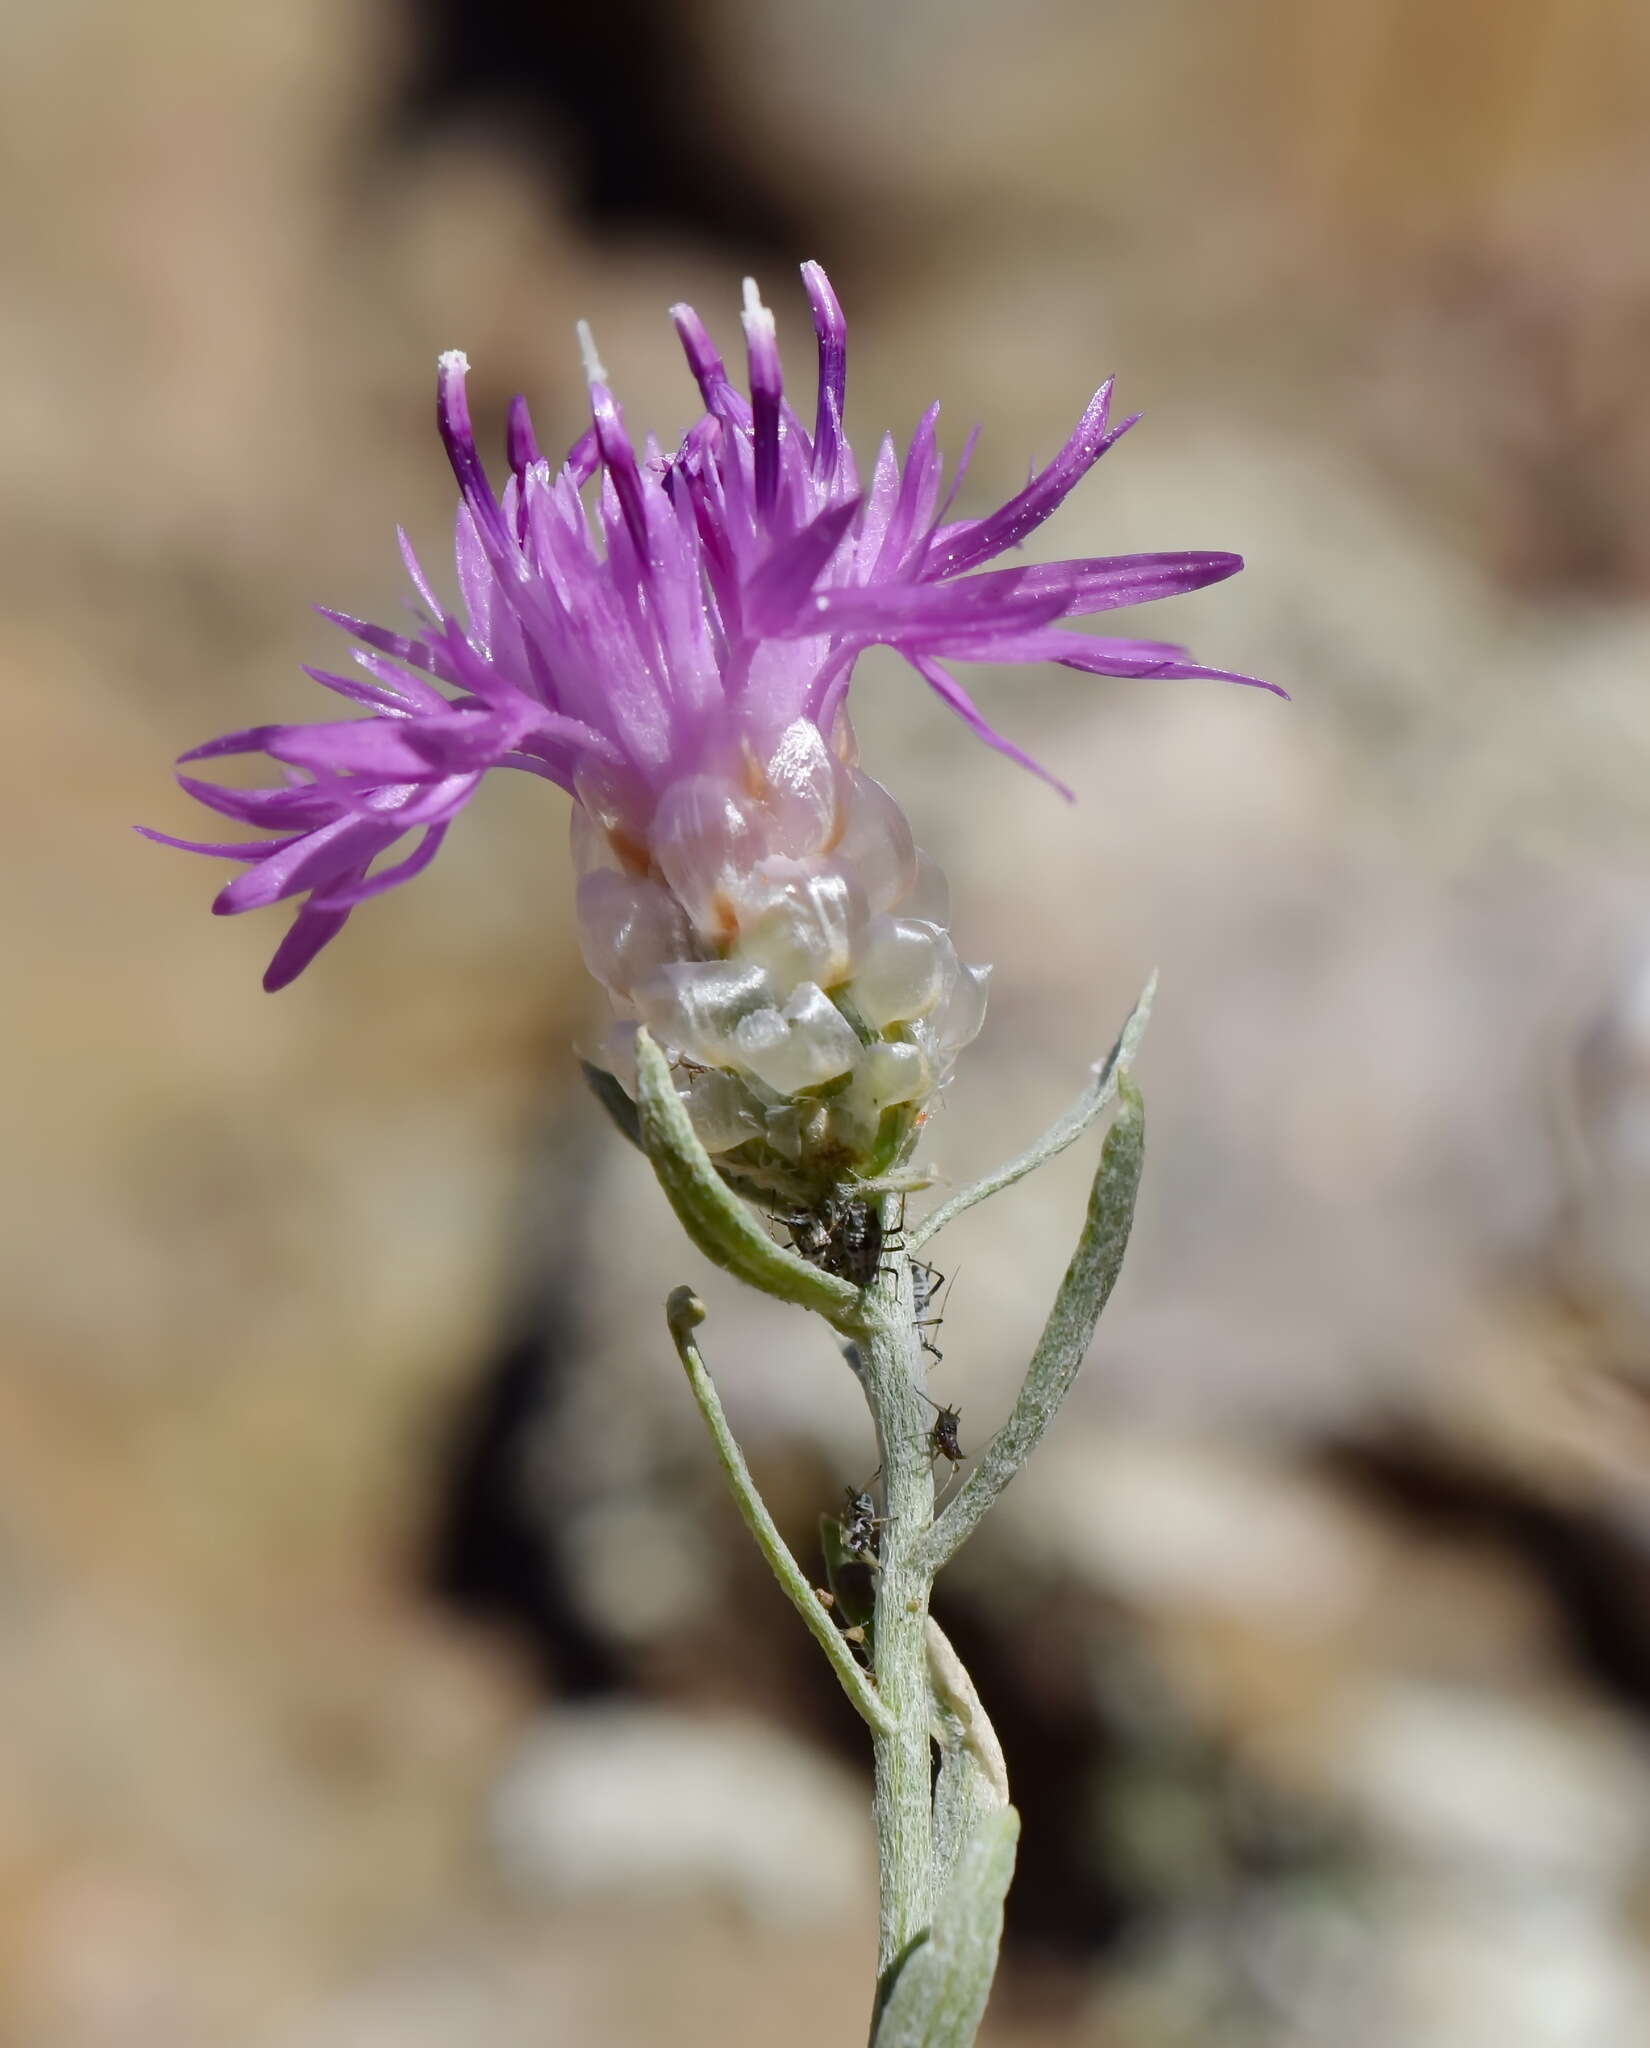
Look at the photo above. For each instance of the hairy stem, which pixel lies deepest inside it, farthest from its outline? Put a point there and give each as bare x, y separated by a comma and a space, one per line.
890, 1370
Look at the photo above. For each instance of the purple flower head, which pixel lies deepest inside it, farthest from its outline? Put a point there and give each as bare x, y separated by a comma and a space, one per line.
648, 630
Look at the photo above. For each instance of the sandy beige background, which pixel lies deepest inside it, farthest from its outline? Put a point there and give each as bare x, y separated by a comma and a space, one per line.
378, 1662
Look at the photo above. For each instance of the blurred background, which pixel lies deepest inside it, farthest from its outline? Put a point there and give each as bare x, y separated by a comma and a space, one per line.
379, 1659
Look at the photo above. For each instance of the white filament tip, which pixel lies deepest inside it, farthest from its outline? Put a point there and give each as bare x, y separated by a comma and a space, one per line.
756, 314
594, 370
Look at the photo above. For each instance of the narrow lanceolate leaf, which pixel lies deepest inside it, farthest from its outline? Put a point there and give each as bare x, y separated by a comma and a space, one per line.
972, 1779
1067, 1334
719, 1223
685, 1312
939, 1996
1089, 1107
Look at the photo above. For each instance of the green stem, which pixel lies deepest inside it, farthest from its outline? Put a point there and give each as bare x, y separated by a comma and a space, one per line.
890, 1367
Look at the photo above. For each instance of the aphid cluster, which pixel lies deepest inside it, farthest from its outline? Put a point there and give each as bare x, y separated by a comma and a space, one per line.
847, 1238
841, 1237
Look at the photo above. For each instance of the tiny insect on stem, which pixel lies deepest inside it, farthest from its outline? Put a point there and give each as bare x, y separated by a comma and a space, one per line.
927, 1283
942, 1438
860, 1523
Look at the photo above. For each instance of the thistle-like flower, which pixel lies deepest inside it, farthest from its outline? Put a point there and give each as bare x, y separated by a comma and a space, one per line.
675, 650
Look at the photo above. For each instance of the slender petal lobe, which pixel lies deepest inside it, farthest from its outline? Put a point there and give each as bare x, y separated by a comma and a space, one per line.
670, 636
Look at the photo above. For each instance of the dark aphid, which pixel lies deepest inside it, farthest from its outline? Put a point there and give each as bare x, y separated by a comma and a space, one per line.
856, 1243
942, 1438
849, 1542
860, 1523
810, 1236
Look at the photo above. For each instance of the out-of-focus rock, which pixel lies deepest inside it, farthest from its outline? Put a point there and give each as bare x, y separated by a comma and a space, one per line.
635, 1802
1544, 1792
1169, 1525
1607, 1225
1511, 1966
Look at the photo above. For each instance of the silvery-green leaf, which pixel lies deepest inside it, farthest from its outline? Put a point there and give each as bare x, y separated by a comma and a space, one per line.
972, 1779
1067, 1334
939, 1995
1064, 1131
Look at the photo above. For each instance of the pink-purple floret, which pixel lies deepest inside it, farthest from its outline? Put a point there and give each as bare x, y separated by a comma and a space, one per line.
732, 586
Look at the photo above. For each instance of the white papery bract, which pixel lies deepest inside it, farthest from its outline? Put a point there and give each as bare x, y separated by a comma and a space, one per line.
784, 941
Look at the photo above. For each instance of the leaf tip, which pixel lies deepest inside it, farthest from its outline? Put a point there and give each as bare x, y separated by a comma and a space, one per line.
684, 1311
